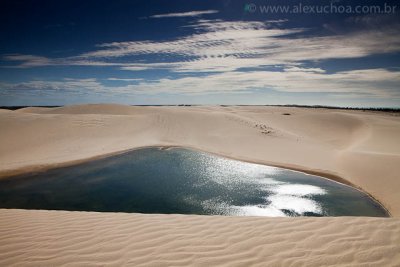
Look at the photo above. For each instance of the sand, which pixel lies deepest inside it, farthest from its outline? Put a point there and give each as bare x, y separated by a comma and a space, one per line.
362, 148
57, 238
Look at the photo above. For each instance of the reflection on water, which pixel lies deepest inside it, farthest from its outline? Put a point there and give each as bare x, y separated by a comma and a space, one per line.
280, 196
187, 182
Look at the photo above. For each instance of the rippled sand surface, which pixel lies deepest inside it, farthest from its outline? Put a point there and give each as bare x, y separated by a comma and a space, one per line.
59, 238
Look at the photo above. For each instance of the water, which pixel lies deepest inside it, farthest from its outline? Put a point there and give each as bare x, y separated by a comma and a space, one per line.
184, 181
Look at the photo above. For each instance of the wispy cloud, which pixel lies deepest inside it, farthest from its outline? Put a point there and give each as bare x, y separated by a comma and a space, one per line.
220, 46
30, 61
125, 79
373, 83
184, 14
227, 46
275, 58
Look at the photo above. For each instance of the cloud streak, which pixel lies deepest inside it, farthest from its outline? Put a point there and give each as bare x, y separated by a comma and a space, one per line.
373, 83
185, 14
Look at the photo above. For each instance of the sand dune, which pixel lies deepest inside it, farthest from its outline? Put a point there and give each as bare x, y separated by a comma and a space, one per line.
58, 238
357, 146
113, 109
360, 147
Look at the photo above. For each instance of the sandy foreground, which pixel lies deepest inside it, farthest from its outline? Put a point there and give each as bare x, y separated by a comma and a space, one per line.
362, 148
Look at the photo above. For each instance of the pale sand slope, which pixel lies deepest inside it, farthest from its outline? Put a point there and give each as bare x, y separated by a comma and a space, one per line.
359, 146
60, 238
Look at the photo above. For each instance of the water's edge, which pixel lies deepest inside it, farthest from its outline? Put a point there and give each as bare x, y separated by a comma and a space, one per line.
37, 169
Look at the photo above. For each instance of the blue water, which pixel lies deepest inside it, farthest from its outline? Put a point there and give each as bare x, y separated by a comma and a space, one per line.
184, 181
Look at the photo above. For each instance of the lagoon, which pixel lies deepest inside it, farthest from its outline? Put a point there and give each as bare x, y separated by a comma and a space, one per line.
184, 181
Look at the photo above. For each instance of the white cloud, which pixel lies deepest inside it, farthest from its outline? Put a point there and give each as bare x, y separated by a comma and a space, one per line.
185, 14
125, 79
297, 69
376, 83
370, 82
29, 61
213, 39
251, 44
220, 46
66, 85
220, 50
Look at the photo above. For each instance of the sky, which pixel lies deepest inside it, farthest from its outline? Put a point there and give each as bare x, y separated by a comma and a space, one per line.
258, 52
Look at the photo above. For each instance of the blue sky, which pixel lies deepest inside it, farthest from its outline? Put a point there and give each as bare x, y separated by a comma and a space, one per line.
337, 53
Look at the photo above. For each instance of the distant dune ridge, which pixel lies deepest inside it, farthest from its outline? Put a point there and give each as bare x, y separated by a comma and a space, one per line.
361, 147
